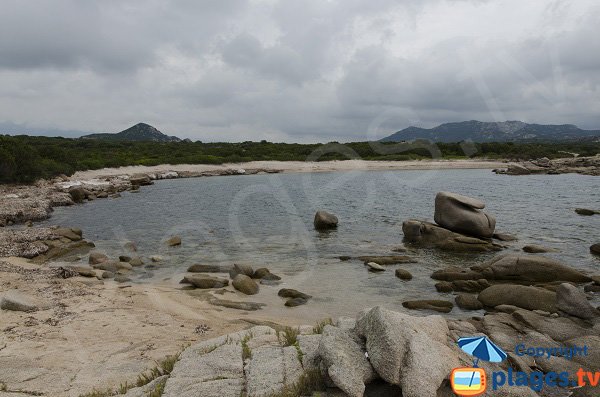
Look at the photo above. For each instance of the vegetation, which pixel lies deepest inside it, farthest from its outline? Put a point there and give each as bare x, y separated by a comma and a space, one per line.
289, 336
311, 381
318, 329
24, 159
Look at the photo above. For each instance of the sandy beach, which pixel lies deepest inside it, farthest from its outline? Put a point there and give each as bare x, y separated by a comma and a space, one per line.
294, 166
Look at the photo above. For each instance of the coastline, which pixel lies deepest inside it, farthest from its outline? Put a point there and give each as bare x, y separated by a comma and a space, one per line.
292, 166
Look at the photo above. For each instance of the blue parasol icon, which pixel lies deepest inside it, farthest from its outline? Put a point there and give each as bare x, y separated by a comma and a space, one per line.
482, 348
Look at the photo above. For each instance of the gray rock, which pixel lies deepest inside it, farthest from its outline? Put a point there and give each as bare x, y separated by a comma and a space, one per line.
324, 221
137, 261
16, 301
205, 282
529, 268
292, 293
526, 297
538, 249
119, 278
456, 273
504, 237
247, 306
145, 390
124, 258
343, 355
174, 241
570, 300
463, 214
241, 269
595, 249
245, 284
293, 302
97, 257
387, 259
78, 194
395, 341
85, 271
265, 274
443, 286
470, 285
558, 328
197, 268
468, 302
403, 274
437, 305
130, 246
375, 267
427, 235
586, 212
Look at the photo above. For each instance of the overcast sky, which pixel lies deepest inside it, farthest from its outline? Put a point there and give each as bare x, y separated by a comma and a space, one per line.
295, 70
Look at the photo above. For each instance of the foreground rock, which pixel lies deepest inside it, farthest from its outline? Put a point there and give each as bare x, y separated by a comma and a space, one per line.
429, 235
325, 221
526, 297
570, 300
463, 214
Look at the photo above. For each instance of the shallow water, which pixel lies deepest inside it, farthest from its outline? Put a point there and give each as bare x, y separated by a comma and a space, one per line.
266, 221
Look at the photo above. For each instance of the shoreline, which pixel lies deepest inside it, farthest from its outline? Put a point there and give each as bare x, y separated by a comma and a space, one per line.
291, 166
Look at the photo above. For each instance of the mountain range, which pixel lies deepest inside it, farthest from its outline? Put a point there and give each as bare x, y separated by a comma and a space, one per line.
139, 132
506, 131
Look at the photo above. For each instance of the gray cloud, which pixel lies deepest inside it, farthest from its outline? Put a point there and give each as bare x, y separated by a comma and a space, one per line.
295, 70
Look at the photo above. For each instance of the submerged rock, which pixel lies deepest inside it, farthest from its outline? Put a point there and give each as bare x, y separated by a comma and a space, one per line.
246, 270
97, 257
595, 249
325, 221
248, 306
208, 269
437, 305
586, 212
174, 241
265, 274
387, 259
463, 214
538, 249
205, 282
293, 302
292, 293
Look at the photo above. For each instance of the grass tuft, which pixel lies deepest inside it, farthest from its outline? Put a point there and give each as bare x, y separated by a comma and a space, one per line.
289, 337
311, 381
318, 329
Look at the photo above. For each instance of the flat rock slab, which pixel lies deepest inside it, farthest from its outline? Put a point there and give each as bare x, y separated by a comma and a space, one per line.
429, 304
16, 301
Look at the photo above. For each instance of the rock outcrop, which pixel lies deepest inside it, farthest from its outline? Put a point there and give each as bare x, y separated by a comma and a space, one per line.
463, 214
427, 235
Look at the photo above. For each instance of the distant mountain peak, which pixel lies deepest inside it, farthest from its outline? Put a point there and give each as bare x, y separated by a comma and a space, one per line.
138, 132
495, 131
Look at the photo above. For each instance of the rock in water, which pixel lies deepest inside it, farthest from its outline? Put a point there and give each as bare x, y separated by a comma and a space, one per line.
246, 270
97, 257
207, 269
375, 267
595, 249
529, 268
537, 249
586, 212
468, 302
293, 302
204, 282
77, 193
292, 293
325, 221
429, 304
403, 274
245, 284
525, 297
570, 300
463, 214
425, 234
173, 241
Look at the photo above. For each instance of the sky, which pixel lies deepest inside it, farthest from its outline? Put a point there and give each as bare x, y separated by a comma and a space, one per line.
295, 70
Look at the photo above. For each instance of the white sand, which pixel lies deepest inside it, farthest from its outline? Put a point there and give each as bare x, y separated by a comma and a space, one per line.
295, 166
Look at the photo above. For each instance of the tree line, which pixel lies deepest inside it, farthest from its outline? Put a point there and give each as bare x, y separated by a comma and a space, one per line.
24, 159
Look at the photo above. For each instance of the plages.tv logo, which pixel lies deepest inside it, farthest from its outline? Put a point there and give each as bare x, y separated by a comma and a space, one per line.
472, 381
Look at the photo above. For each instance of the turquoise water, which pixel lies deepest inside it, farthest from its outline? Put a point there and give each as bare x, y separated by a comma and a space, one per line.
266, 221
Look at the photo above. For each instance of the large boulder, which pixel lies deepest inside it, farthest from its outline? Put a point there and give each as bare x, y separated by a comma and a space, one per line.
428, 235
529, 268
325, 221
525, 297
343, 355
402, 348
570, 300
245, 284
463, 214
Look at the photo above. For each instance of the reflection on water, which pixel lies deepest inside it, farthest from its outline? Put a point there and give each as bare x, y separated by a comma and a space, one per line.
266, 221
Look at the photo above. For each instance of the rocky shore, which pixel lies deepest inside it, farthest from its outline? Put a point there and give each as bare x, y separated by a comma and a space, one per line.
577, 165
55, 313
